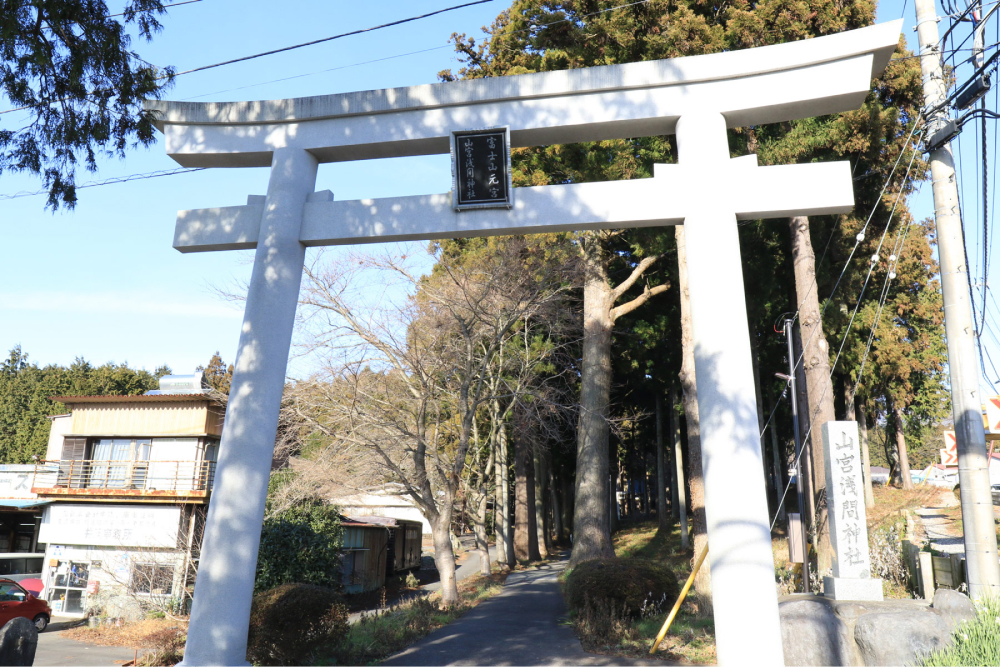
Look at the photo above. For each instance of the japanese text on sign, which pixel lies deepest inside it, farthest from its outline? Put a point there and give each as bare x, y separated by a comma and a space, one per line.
482, 177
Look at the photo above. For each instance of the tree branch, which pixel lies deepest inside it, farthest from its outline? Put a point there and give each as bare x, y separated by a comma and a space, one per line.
647, 294
637, 272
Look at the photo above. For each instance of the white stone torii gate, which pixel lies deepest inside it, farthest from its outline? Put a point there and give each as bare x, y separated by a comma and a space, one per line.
696, 98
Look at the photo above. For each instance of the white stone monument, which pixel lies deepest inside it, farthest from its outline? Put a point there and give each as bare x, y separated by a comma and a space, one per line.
697, 98
845, 493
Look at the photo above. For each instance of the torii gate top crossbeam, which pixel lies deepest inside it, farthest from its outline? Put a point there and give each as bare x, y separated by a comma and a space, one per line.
749, 87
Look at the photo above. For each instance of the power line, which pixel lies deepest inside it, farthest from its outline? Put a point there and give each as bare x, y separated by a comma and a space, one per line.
175, 4
110, 181
299, 46
331, 38
410, 53
322, 71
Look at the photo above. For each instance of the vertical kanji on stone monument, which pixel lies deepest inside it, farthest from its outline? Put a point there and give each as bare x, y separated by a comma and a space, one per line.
852, 570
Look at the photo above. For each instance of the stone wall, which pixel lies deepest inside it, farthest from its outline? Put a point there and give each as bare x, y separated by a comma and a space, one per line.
820, 631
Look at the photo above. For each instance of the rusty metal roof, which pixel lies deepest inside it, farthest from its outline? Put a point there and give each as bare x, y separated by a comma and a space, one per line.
138, 398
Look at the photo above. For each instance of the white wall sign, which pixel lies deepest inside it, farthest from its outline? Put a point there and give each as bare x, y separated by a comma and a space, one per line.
116, 525
16, 480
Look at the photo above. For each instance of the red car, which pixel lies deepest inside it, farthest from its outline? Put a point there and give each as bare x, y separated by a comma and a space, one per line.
16, 601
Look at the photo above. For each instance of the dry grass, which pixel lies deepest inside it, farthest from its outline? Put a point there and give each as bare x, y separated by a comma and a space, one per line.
130, 635
890, 501
158, 641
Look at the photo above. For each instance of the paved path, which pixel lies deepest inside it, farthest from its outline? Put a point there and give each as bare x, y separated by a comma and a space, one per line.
55, 649
468, 568
939, 528
524, 625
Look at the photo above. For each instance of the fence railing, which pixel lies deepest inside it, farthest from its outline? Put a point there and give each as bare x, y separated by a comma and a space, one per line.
133, 475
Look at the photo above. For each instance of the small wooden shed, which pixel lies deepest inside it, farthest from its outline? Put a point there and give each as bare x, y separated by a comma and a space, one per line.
365, 550
405, 542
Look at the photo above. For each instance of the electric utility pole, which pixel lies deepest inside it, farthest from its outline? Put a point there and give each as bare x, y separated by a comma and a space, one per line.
973, 475
800, 478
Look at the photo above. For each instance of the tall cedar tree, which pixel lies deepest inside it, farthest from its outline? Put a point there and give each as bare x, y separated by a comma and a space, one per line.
68, 66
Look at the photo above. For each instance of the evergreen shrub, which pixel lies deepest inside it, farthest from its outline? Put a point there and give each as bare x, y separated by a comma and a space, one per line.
301, 545
624, 584
288, 623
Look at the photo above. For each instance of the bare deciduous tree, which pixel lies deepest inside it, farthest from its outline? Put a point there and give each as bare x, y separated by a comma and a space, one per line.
407, 365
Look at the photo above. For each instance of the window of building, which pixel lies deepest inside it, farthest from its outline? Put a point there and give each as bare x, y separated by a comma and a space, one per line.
69, 586
152, 578
118, 463
20, 566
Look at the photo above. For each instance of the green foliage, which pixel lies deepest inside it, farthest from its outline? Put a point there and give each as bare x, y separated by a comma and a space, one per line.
26, 388
217, 374
289, 622
622, 584
300, 545
973, 643
70, 68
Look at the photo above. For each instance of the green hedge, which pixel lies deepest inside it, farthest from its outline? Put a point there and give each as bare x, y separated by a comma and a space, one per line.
301, 545
621, 583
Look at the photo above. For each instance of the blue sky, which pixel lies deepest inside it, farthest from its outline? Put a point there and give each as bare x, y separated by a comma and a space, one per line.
103, 282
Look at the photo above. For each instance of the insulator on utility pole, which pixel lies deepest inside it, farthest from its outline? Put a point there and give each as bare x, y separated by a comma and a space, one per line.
977, 504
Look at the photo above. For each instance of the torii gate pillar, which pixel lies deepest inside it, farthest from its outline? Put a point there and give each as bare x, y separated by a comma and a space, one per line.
232, 529
744, 596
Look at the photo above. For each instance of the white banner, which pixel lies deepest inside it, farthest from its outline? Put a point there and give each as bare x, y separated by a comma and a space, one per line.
111, 525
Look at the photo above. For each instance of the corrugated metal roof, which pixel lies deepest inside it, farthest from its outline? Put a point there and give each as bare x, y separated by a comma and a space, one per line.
139, 398
355, 522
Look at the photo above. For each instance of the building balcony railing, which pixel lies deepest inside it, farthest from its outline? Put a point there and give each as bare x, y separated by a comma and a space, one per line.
124, 480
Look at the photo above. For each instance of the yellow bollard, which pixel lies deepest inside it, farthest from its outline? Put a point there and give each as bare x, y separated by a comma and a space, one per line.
680, 600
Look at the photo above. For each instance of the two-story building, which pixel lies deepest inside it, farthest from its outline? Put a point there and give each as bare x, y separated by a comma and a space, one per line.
128, 480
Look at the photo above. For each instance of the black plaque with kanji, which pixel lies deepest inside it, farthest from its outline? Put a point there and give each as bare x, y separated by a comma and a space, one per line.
481, 162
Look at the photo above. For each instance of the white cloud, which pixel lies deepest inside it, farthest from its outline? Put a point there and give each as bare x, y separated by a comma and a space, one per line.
117, 302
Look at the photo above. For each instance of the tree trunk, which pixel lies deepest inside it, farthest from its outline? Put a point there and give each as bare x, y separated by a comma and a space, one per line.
567, 508
673, 424
816, 364
904, 461
680, 491
557, 523
498, 517
508, 529
865, 459
663, 519
780, 464
689, 387
444, 556
482, 544
769, 487
544, 541
525, 532
647, 497
591, 529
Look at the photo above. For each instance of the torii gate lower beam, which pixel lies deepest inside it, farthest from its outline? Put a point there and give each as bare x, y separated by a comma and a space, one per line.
291, 217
